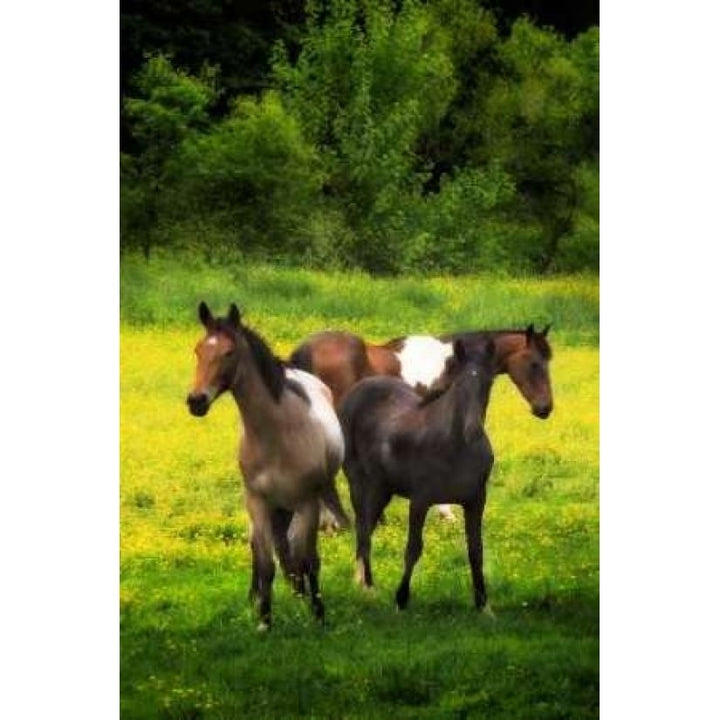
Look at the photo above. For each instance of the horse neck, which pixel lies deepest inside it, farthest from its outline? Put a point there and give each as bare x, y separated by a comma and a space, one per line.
507, 343
460, 407
258, 408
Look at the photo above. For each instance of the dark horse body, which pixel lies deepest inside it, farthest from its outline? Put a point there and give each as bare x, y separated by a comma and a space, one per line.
429, 451
428, 365
291, 449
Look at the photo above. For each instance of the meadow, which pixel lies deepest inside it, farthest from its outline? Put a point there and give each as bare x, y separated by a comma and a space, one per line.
188, 643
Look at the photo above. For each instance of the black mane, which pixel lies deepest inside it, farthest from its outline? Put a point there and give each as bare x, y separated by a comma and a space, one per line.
271, 368
433, 395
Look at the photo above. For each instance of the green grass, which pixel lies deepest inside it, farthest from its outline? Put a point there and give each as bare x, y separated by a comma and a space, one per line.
290, 303
188, 644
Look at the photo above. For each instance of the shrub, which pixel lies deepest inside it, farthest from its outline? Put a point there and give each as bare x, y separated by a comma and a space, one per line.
253, 175
170, 105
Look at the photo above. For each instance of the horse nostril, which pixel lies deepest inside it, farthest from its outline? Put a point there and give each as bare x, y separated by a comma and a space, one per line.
198, 404
542, 411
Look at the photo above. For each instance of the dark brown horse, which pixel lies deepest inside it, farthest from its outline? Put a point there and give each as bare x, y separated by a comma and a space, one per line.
430, 451
427, 364
291, 449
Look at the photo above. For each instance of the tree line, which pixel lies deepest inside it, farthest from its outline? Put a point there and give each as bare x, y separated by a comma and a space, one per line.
397, 136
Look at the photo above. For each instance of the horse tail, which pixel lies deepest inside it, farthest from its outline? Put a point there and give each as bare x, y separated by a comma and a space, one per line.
302, 358
349, 414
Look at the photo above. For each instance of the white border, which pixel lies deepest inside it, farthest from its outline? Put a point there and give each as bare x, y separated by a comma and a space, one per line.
659, 393
59, 360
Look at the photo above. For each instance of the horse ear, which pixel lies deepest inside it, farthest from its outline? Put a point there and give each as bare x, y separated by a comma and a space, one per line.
459, 351
204, 314
529, 333
546, 330
234, 315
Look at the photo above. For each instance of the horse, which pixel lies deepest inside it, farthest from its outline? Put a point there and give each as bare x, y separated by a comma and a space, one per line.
431, 450
291, 450
426, 363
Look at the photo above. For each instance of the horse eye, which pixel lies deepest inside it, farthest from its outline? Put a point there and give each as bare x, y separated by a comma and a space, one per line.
227, 354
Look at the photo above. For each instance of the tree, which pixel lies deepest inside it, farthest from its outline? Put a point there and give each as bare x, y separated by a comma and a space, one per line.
253, 176
538, 117
171, 105
368, 82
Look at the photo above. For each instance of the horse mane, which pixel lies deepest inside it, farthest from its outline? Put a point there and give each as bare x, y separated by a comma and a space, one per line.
301, 358
270, 367
394, 344
433, 395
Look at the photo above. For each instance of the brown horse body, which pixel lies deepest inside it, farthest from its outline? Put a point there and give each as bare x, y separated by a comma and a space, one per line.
291, 450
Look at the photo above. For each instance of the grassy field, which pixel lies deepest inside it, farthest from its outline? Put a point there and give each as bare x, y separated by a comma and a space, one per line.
188, 644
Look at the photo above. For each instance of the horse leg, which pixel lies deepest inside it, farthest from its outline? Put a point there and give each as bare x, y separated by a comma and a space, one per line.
303, 549
261, 544
358, 489
413, 550
333, 515
254, 582
280, 525
473, 534
366, 520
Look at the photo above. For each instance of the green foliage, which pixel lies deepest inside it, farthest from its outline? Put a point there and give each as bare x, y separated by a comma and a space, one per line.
398, 137
539, 121
472, 30
253, 173
170, 106
369, 81
455, 225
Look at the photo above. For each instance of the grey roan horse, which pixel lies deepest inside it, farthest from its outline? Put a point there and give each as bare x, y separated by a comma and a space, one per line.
290, 453
430, 451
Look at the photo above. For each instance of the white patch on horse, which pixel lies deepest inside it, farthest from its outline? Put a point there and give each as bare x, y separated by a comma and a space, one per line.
321, 409
422, 359
445, 512
212, 340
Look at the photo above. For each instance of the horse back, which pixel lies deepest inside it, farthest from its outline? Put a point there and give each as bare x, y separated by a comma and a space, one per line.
369, 409
339, 359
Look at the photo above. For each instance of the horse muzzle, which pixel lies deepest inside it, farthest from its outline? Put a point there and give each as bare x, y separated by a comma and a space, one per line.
542, 411
198, 404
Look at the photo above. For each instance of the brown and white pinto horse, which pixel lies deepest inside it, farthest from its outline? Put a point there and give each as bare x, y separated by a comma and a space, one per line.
427, 363
290, 453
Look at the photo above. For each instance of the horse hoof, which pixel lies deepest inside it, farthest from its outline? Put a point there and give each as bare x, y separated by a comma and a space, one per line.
319, 612
263, 627
488, 611
363, 584
362, 578
402, 597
